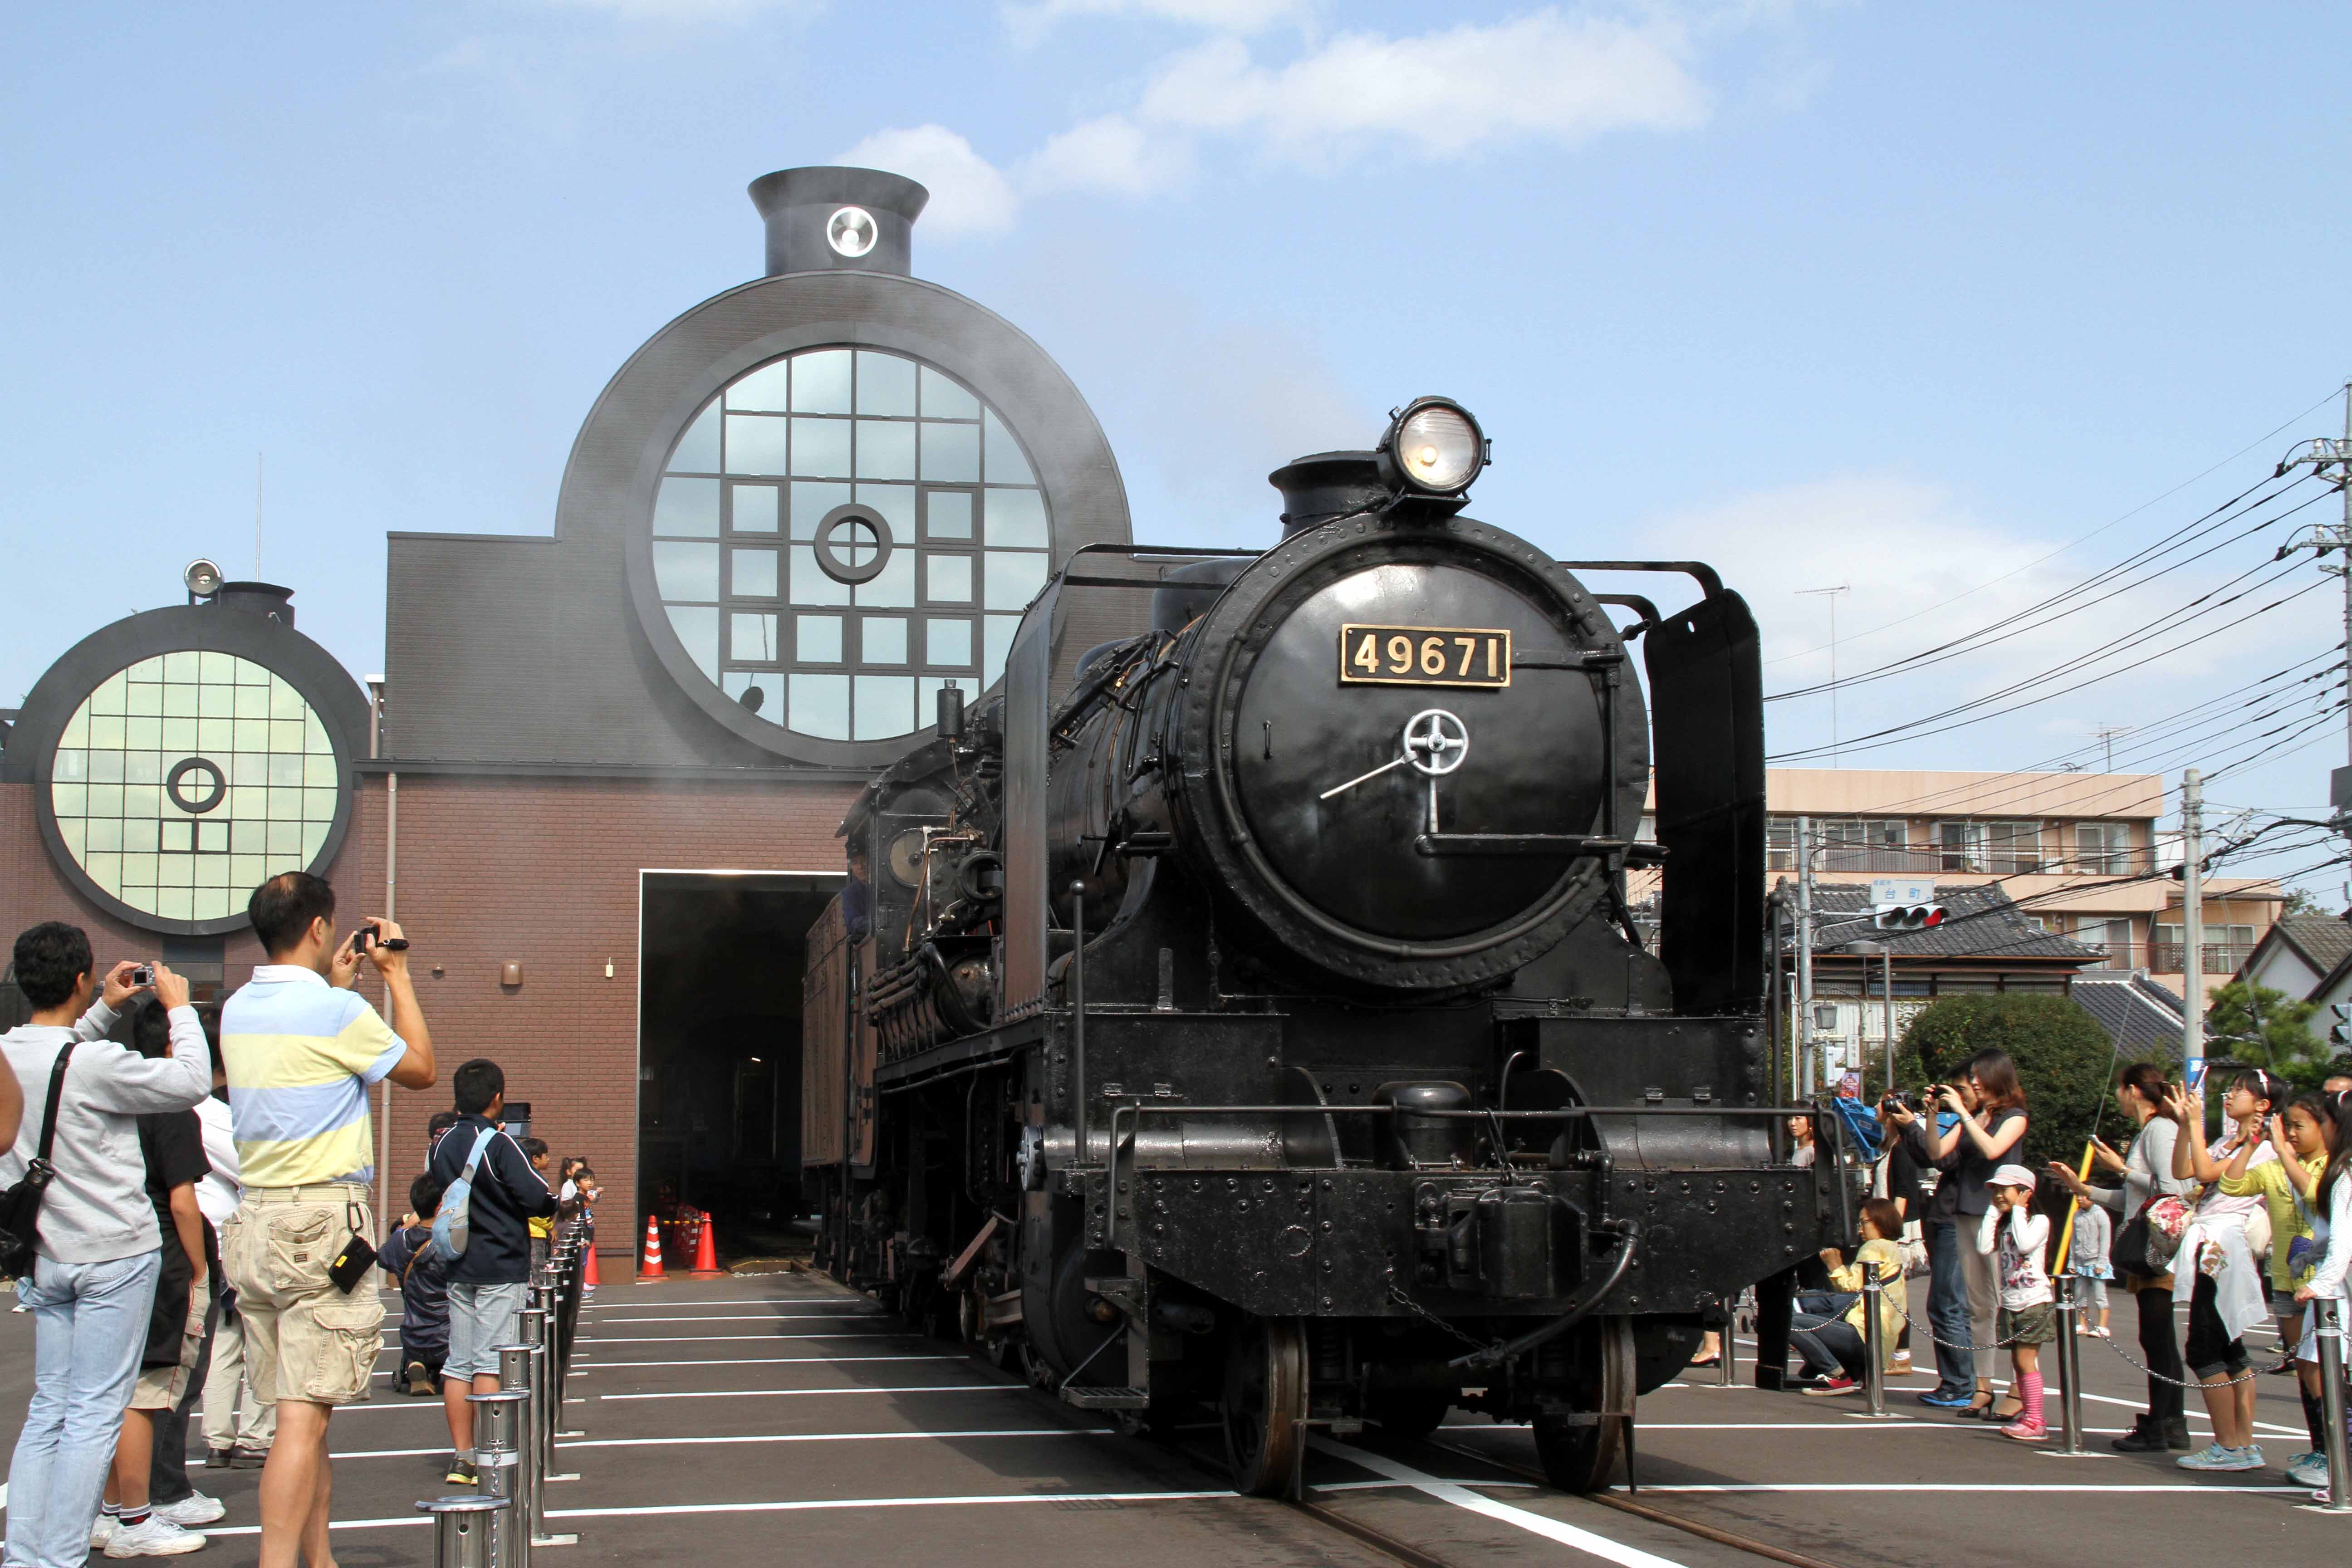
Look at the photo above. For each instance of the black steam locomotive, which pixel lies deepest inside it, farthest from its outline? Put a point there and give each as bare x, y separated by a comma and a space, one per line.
1253, 1012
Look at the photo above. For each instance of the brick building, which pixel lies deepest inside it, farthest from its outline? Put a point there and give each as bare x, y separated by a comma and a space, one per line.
600, 777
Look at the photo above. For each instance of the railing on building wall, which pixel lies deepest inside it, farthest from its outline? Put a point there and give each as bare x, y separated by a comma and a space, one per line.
1975, 861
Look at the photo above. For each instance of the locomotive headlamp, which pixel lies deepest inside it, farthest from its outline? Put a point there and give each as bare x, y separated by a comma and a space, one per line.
1436, 447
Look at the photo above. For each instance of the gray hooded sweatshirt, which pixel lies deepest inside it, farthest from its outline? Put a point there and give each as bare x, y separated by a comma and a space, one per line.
98, 1209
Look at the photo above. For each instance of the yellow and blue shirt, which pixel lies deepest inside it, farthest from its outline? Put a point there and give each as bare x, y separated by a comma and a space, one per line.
299, 1055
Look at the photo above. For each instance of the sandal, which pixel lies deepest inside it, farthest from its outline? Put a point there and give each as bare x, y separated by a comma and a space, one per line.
1976, 1412
2003, 1417
1707, 1361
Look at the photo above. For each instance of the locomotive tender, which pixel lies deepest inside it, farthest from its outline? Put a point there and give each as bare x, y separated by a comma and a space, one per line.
1252, 1012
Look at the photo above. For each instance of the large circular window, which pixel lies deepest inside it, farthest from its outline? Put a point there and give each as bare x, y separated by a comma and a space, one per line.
184, 781
841, 532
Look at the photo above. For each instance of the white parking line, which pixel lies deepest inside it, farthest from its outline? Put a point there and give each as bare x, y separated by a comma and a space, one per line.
756, 1318
810, 1393
1959, 1487
772, 1360
570, 1444
1459, 1494
725, 1338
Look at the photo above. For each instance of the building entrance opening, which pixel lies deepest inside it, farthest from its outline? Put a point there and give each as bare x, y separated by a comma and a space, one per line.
719, 1057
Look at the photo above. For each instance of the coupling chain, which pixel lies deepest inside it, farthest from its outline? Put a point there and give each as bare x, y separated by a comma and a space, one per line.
1397, 1294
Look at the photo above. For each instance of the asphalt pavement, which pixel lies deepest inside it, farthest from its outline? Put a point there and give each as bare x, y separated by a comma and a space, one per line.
779, 1419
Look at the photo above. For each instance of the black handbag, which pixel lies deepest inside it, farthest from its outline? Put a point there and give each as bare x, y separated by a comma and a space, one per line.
20, 1205
2128, 1253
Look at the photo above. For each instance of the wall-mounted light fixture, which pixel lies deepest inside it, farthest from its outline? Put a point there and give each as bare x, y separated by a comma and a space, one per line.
510, 974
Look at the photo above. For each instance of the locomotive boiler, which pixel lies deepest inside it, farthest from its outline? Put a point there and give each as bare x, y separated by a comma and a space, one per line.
1251, 1010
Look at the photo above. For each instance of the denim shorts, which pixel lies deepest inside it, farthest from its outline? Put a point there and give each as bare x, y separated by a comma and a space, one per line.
482, 1318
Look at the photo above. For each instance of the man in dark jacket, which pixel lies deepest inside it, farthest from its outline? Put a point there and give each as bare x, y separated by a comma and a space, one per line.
486, 1283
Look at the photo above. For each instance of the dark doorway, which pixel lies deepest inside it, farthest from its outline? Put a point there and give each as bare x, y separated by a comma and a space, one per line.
719, 1053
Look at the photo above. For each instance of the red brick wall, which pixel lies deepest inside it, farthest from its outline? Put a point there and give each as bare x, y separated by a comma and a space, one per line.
544, 872
538, 871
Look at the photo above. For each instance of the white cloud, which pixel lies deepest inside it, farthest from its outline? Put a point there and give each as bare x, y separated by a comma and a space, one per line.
1543, 77
1029, 22
1111, 152
969, 193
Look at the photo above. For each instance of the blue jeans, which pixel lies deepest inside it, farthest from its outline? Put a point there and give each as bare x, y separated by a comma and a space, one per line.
1948, 1312
89, 1325
1831, 1346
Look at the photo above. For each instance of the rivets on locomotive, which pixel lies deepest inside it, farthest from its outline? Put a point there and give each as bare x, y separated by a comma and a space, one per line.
1233, 1183
1267, 1185
1326, 1188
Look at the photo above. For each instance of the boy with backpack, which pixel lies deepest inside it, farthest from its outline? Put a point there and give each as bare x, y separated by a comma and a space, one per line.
409, 1256
488, 1196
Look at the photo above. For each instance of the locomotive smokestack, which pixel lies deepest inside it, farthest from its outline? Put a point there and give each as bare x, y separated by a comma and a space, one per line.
1316, 489
857, 220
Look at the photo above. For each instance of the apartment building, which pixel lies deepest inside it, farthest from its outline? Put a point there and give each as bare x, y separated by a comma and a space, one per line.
2079, 853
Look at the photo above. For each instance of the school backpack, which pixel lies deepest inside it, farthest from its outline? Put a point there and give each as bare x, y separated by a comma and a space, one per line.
453, 1220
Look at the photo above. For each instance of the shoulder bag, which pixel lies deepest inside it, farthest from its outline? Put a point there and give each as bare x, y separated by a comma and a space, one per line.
20, 1205
453, 1221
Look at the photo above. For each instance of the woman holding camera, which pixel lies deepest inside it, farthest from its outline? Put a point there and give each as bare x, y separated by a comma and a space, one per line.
2147, 1172
1991, 1106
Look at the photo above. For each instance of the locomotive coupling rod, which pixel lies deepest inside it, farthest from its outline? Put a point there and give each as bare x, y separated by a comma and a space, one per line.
1628, 1238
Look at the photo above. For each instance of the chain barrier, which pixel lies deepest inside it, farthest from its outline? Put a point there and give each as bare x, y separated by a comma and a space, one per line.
2249, 1375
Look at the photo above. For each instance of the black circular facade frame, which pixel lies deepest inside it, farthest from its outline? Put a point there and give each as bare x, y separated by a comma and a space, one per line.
616, 465
1298, 565
829, 558
309, 670
213, 787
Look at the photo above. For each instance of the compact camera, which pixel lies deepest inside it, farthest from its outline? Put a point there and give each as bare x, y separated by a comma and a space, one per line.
142, 975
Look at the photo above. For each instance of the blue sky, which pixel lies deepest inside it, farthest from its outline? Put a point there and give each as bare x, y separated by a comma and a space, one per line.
1905, 298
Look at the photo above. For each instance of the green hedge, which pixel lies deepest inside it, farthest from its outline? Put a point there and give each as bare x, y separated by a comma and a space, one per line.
2065, 1060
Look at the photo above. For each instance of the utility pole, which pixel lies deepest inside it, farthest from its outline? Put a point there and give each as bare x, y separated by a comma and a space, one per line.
2320, 453
1832, 595
1805, 956
2192, 929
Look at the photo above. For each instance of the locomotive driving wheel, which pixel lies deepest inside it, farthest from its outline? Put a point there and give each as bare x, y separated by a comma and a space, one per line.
1265, 1401
1579, 1451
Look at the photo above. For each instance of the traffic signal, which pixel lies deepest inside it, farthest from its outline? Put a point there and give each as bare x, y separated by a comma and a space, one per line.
2340, 1036
1907, 917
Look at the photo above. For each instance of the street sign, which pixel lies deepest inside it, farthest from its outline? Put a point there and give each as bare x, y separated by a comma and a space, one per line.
1885, 891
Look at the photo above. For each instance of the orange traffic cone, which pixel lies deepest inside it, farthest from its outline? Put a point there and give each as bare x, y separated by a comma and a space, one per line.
706, 1247
588, 1280
651, 1266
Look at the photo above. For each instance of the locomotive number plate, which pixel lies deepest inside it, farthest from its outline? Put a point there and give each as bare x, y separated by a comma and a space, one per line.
1425, 656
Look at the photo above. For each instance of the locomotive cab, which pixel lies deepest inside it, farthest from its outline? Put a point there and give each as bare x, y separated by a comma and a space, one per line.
1268, 1026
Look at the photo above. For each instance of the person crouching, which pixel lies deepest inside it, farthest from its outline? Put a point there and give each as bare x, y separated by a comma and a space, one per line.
410, 1256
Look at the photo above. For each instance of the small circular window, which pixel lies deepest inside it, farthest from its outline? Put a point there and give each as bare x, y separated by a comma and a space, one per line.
841, 532
184, 781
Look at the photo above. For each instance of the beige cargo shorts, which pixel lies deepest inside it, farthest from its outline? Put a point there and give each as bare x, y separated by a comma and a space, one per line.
305, 1338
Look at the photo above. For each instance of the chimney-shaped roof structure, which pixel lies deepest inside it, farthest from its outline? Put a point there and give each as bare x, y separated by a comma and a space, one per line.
828, 218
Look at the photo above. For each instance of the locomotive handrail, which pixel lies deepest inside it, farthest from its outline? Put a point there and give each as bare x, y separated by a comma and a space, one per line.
1109, 547
1711, 584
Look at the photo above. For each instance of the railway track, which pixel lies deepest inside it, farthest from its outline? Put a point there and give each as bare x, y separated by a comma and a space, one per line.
1415, 1556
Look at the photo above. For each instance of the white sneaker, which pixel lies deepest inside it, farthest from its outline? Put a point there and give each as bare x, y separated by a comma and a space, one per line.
193, 1509
154, 1536
101, 1531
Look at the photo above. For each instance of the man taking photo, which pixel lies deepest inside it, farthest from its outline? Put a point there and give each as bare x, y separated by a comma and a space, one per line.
97, 1245
301, 1047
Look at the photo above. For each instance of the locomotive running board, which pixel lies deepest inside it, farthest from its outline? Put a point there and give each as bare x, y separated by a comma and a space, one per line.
1108, 1398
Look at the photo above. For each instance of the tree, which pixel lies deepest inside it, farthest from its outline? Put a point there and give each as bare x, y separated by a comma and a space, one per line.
2265, 1028
2064, 1061
2302, 902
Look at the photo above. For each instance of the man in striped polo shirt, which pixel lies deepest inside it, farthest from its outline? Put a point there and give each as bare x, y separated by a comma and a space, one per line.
301, 1049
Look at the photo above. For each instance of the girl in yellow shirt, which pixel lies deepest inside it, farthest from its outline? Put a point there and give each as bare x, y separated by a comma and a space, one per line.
2288, 1186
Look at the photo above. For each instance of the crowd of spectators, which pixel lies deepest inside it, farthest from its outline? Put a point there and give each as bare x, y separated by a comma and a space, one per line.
204, 1248
2251, 1226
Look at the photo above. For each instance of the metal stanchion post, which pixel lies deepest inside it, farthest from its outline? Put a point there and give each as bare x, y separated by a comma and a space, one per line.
2331, 1397
498, 1461
536, 1329
2070, 1367
1874, 1336
462, 1529
1728, 1353
514, 1377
